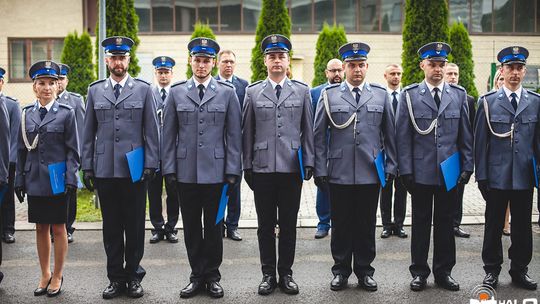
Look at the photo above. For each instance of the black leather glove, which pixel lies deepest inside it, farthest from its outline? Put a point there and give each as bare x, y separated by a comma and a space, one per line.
322, 183
170, 181
389, 178
483, 186
308, 173
70, 189
20, 193
88, 180
232, 181
408, 182
464, 177
148, 175
248, 177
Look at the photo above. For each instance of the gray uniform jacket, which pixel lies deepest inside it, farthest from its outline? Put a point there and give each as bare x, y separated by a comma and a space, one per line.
14, 114
114, 127
421, 155
201, 138
159, 115
58, 142
273, 130
4, 141
76, 101
506, 163
348, 158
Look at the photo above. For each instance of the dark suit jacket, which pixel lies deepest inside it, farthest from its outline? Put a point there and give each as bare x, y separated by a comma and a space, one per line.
471, 102
316, 94
240, 86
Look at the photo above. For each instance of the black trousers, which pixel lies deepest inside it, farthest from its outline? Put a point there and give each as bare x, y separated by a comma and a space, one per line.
123, 206
72, 212
277, 199
155, 190
520, 252
353, 210
433, 202
233, 210
400, 205
458, 215
204, 244
8, 205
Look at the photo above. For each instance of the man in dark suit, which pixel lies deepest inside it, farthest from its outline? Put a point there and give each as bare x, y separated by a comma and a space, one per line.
334, 74
451, 75
226, 60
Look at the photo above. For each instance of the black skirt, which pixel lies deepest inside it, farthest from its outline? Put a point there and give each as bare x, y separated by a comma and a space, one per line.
47, 209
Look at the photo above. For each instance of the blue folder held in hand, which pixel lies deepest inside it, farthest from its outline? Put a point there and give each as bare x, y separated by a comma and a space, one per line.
301, 162
3, 191
222, 204
450, 169
57, 175
535, 172
135, 161
379, 165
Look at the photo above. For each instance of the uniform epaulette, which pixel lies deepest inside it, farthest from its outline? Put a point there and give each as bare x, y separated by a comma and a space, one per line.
97, 81
331, 86
29, 106
178, 82
143, 81
299, 82
75, 94
411, 86
65, 106
533, 93
225, 83
255, 83
457, 86
378, 86
10, 98
488, 93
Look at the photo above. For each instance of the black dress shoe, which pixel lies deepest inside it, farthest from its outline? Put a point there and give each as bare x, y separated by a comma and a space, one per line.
400, 232
368, 283
70, 237
8, 238
321, 233
387, 232
113, 290
214, 289
191, 289
460, 233
42, 290
1, 276
524, 281
447, 282
171, 237
234, 235
491, 279
288, 285
156, 237
418, 283
339, 282
54, 292
135, 289
268, 284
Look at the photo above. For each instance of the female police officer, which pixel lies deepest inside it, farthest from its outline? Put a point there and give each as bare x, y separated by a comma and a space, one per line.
47, 146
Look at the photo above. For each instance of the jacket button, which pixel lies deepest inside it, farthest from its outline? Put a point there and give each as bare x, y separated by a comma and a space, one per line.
279, 115
117, 139
279, 126
201, 109
117, 117
42, 161
116, 107
200, 144
439, 145
201, 121
200, 132
279, 135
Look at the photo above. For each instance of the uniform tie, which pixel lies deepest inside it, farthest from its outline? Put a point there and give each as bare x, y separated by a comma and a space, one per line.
357, 95
201, 91
278, 91
514, 101
117, 88
228, 81
436, 97
394, 101
163, 94
42, 113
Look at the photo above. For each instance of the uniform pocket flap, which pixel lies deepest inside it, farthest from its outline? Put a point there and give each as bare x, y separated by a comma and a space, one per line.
261, 146
219, 153
216, 108
335, 153
181, 153
55, 128
185, 108
337, 109
500, 118
102, 106
452, 114
30, 128
265, 105
529, 118
423, 114
135, 104
293, 103
375, 108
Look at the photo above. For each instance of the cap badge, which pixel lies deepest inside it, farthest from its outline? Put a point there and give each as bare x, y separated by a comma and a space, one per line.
163, 59
439, 47
118, 41
515, 50
274, 39
47, 64
355, 46
204, 42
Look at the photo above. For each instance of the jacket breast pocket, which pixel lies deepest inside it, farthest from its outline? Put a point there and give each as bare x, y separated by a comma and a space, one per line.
375, 113
423, 119
500, 123
264, 111
186, 113
260, 154
294, 107
135, 109
530, 121
218, 113
340, 113
103, 111
55, 132
451, 118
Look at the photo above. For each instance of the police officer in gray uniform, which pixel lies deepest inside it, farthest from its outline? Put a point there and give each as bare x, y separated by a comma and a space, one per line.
4, 157
432, 124
163, 66
76, 101
8, 205
507, 139
277, 124
201, 152
120, 117
354, 121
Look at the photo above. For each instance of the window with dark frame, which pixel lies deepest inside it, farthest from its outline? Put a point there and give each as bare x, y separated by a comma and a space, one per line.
23, 52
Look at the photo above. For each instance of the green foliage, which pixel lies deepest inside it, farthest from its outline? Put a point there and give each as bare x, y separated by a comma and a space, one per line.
328, 43
201, 30
122, 20
274, 19
462, 56
86, 210
425, 21
77, 53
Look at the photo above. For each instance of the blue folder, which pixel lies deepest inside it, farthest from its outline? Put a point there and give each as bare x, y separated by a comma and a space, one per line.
379, 165
301, 162
57, 175
222, 204
135, 161
535, 172
3, 191
450, 169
